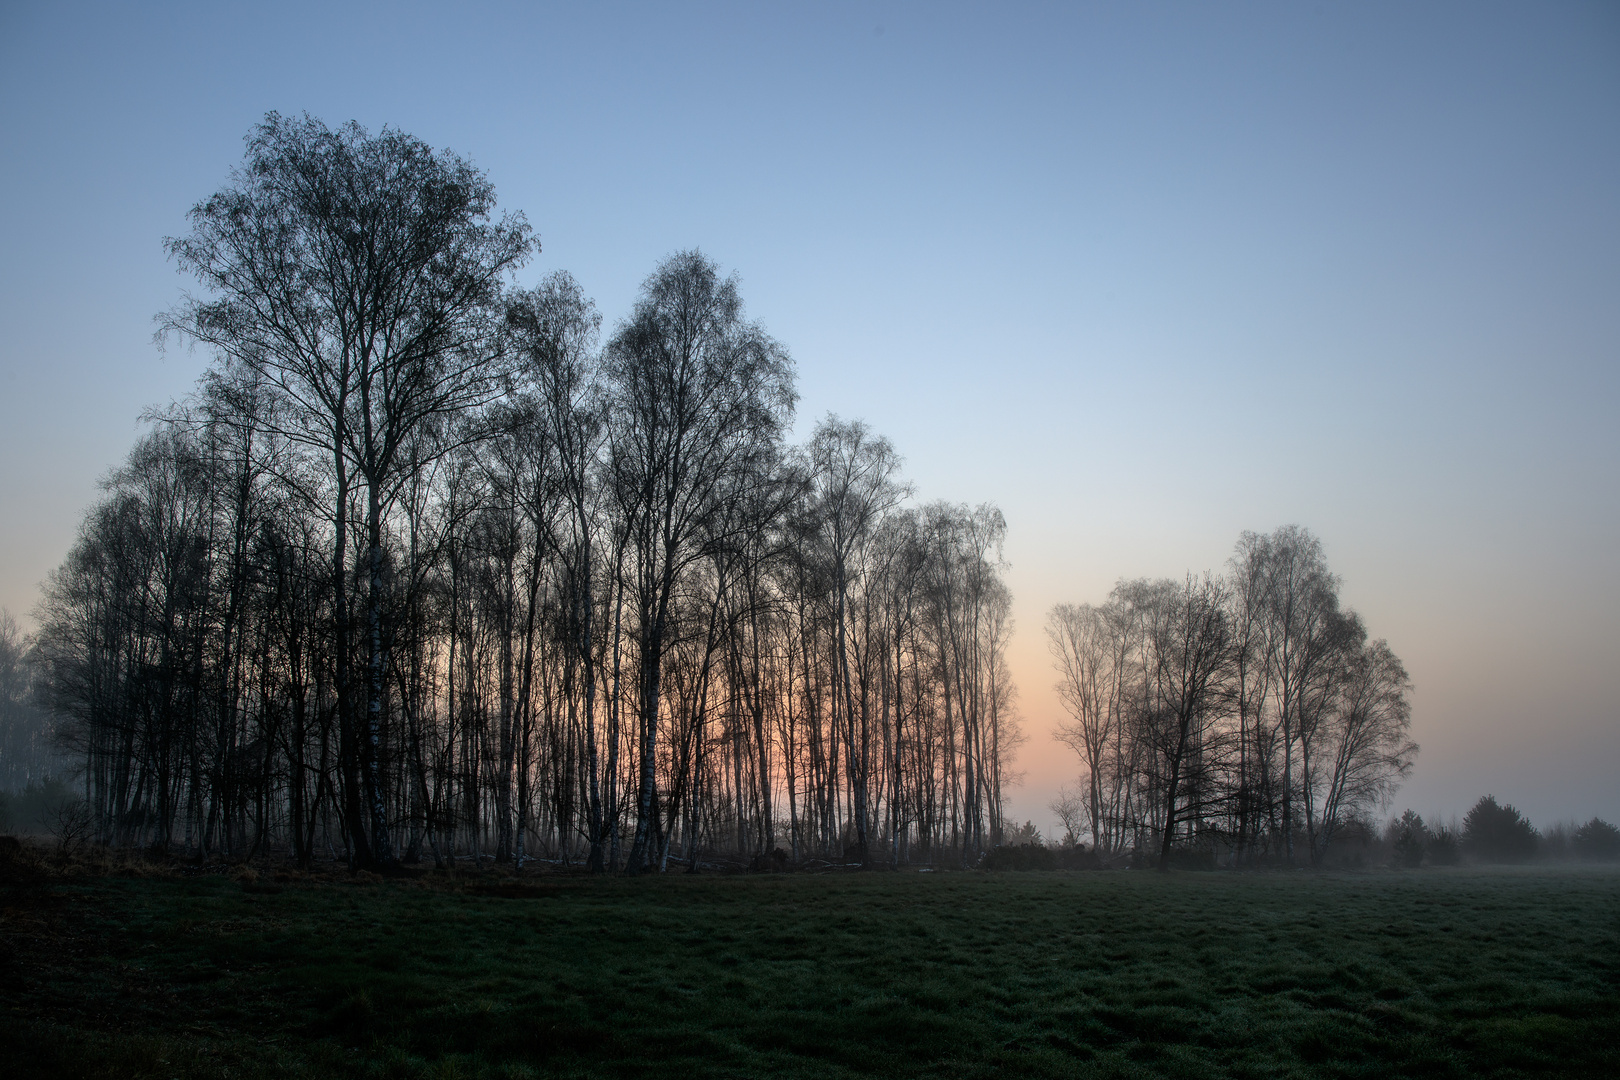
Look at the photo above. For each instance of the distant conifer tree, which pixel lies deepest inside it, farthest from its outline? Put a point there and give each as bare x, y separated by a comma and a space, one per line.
1597, 839
1411, 840
1498, 833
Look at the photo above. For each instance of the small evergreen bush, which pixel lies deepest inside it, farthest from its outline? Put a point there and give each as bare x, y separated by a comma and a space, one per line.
1039, 857
1410, 840
1597, 839
1498, 833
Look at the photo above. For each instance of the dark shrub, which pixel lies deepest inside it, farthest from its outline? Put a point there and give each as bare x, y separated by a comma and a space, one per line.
1597, 839
1020, 857
1494, 833
1190, 858
776, 860
1038, 857
1410, 839
1077, 857
18, 864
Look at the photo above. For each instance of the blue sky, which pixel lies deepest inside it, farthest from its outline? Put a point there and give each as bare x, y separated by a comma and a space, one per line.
1144, 275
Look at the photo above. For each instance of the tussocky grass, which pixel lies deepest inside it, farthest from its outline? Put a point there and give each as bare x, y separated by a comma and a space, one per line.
1456, 973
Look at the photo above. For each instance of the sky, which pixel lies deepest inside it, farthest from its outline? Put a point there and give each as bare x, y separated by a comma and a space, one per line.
1143, 275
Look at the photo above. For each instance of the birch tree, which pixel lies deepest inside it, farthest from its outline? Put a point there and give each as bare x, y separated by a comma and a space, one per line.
358, 275
697, 394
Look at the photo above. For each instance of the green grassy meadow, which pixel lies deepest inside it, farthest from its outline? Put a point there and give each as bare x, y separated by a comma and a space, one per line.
1427, 974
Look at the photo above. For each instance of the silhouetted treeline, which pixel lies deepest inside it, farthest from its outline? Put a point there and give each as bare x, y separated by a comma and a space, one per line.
1247, 714
1495, 832
427, 570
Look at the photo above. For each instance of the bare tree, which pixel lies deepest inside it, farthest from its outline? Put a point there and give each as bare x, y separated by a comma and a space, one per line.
1192, 651
853, 485
553, 330
358, 274
1073, 811
1078, 638
1250, 689
1224, 711
697, 393
1303, 634
1367, 749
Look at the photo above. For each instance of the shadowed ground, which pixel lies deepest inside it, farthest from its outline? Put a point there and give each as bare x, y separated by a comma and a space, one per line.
1443, 973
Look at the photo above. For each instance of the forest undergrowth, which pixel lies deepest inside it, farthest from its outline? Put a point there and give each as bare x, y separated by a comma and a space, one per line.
1461, 972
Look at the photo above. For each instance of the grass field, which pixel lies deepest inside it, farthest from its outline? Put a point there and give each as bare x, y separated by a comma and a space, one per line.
1446, 973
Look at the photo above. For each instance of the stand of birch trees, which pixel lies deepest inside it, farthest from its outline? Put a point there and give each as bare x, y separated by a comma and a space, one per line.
1247, 715
427, 570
